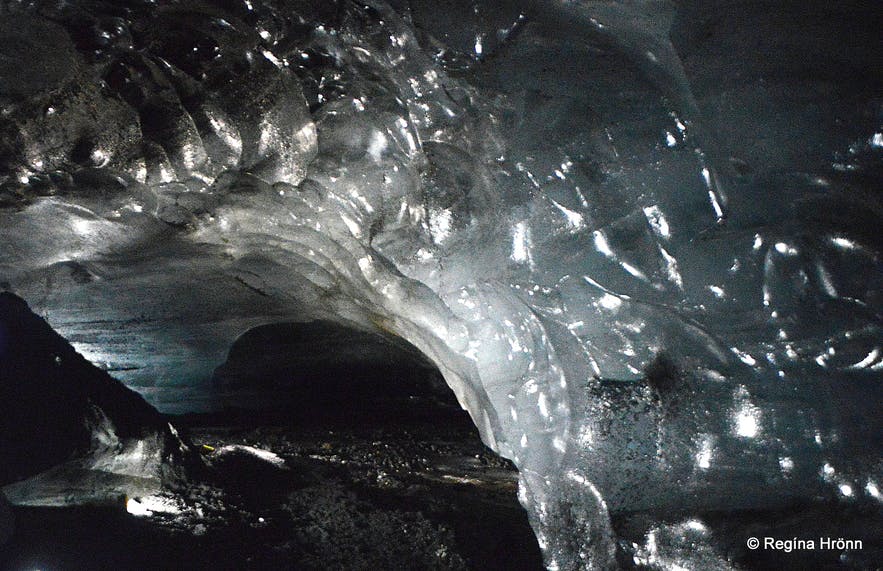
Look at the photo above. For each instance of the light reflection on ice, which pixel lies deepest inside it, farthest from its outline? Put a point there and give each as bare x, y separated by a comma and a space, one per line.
706, 453
150, 505
359, 220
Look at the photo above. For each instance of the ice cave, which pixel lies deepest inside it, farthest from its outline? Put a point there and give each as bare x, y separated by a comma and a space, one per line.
475, 284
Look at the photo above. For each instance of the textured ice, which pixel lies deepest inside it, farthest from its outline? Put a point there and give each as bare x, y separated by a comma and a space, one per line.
646, 259
69, 433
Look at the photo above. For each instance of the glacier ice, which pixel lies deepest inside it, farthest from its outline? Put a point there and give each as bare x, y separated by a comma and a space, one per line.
646, 260
69, 433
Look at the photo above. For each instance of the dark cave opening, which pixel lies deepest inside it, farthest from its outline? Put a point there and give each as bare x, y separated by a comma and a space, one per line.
322, 371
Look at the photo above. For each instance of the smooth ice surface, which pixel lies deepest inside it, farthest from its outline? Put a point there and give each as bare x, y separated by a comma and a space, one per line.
645, 257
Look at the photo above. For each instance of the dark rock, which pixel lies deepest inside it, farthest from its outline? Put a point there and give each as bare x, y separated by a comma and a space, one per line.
7, 520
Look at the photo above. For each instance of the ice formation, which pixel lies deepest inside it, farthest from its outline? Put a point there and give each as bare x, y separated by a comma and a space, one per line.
527, 192
69, 433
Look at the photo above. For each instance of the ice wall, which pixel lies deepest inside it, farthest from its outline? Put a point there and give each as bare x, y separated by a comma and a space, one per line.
644, 295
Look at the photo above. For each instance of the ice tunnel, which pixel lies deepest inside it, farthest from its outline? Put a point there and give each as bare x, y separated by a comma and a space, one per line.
320, 367
639, 241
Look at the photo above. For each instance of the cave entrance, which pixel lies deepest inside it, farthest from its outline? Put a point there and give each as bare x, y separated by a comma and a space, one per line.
319, 371
398, 475
378, 443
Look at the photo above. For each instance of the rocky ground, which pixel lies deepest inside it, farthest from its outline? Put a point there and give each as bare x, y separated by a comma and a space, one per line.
362, 492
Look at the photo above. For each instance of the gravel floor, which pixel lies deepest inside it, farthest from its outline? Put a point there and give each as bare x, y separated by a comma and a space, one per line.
344, 493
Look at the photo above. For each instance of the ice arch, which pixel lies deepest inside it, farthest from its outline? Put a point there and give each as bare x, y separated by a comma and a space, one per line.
533, 203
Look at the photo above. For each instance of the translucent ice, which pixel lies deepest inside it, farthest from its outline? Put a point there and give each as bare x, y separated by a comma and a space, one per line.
530, 193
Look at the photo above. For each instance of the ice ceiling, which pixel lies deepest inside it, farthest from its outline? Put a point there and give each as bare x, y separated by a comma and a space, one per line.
642, 244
